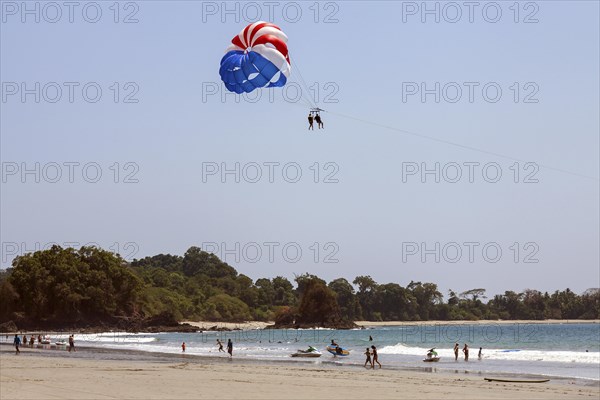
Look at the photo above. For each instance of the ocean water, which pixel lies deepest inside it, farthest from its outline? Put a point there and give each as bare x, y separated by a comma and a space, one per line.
553, 350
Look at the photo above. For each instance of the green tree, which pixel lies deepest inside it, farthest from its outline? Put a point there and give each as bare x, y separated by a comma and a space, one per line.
167, 262
303, 280
265, 292
228, 308
318, 304
590, 301
346, 298
284, 292
195, 261
427, 297
70, 284
9, 299
367, 296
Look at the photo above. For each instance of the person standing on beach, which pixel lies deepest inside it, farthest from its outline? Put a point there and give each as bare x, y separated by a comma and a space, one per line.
230, 347
466, 351
456, 352
480, 354
17, 343
375, 357
368, 354
183, 347
220, 346
72, 343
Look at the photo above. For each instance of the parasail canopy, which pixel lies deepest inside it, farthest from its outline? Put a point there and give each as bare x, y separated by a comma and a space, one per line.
258, 57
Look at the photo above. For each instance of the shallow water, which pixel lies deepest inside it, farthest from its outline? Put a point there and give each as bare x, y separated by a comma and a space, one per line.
555, 350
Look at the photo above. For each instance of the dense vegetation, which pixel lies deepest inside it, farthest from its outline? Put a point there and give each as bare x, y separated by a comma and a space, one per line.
91, 284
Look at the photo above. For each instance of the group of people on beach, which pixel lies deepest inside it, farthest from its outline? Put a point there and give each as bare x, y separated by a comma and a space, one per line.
17, 342
372, 357
229, 347
220, 344
371, 353
465, 351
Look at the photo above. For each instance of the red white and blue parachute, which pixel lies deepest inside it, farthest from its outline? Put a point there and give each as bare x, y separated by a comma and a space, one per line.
257, 58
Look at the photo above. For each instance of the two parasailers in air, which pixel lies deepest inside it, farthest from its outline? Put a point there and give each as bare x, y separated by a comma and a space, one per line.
314, 115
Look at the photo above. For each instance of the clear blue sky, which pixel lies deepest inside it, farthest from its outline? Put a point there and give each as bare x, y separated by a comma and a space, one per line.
368, 55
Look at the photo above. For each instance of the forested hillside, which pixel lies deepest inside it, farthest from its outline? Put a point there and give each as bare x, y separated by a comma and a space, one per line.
93, 285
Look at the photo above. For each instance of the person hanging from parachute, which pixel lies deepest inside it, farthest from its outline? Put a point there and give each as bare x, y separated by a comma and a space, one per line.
258, 58
319, 120
315, 114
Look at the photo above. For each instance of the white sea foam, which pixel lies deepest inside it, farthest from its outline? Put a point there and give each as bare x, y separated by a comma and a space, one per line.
502, 354
106, 337
117, 339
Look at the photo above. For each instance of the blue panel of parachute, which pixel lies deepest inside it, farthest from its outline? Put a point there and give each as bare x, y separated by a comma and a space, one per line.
242, 72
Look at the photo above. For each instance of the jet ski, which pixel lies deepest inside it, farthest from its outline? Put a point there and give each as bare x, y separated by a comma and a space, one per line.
311, 352
432, 356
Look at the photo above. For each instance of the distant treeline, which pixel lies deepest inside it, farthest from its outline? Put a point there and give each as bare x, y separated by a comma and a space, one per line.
91, 284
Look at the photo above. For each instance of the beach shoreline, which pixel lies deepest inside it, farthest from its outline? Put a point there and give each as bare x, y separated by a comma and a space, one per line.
115, 354
208, 325
478, 322
49, 374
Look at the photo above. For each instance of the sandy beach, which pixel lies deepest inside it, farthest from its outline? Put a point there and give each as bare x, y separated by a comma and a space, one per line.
70, 376
205, 325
